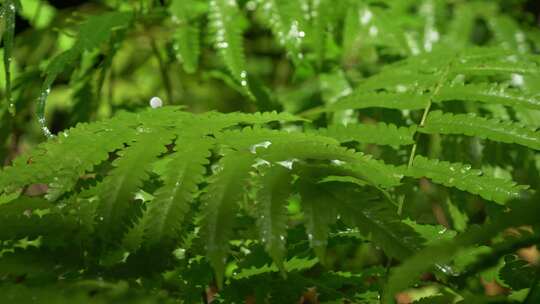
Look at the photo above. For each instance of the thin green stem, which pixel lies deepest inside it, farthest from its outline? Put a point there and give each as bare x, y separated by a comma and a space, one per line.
422, 123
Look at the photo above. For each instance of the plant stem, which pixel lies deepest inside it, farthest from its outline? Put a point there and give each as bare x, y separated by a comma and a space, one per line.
442, 79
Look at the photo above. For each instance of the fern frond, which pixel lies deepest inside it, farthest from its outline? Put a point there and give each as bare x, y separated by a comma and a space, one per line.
220, 203
498, 62
294, 264
379, 220
508, 34
228, 41
118, 188
187, 34
379, 133
470, 124
286, 20
31, 218
61, 161
92, 33
462, 177
275, 187
258, 118
362, 100
185, 171
319, 214
289, 146
488, 93
8, 11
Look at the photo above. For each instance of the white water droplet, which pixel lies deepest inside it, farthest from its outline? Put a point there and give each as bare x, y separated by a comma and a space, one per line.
287, 163
156, 102
264, 144
222, 45
518, 80
337, 162
366, 17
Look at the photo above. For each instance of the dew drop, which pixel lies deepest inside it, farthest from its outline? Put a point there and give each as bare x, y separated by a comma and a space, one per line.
366, 17
156, 102
338, 162
518, 80
222, 45
264, 144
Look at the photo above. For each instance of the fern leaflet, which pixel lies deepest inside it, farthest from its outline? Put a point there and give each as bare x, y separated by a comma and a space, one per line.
185, 171
472, 125
119, 187
271, 201
464, 178
220, 203
224, 16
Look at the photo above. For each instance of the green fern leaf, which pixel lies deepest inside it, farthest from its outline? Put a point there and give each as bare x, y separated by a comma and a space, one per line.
472, 125
294, 264
187, 34
380, 133
462, 177
224, 16
488, 93
171, 202
493, 62
286, 20
280, 146
378, 219
508, 34
8, 11
61, 161
362, 100
92, 33
220, 203
118, 188
271, 201
319, 214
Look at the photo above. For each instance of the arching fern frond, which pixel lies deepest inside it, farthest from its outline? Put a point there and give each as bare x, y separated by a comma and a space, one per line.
119, 187
271, 202
379, 220
461, 176
380, 133
362, 100
488, 93
224, 16
220, 202
187, 34
319, 214
165, 214
92, 33
472, 125
287, 22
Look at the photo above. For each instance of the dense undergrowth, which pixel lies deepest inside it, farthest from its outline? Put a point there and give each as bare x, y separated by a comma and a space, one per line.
307, 151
